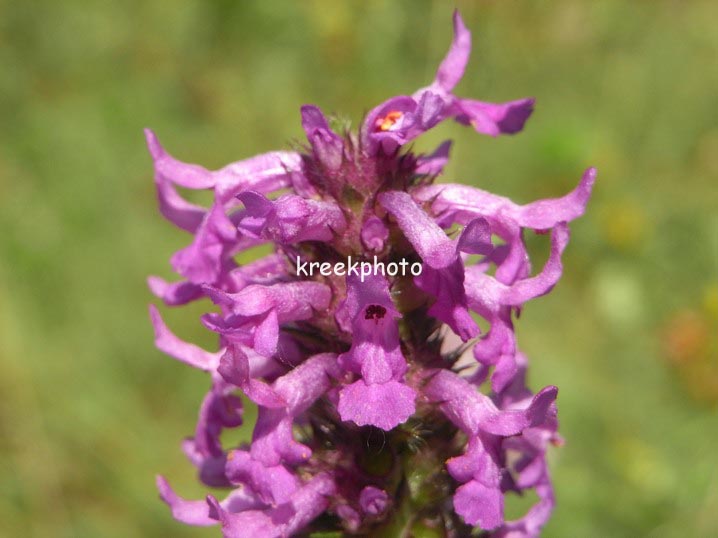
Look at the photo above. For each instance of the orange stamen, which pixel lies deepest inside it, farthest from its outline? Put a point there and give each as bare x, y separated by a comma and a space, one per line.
388, 121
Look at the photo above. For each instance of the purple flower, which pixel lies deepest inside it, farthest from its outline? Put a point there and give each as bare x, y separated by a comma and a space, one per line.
280, 520
479, 500
364, 413
379, 398
256, 312
401, 119
459, 204
327, 146
373, 500
290, 218
263, 173
374, 234
444, 276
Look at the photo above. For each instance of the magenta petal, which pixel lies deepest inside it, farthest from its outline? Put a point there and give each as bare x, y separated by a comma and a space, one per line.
428, 113
374, 234
434, 163
373, 501
506, 369
460, 203
454, 63
511, 422
368, 313
401, 119
264, 173
479, 505
292, 219
545, 214
499, 340
177, 210
530, 288
189, 512
378, 359
282, 520
175, 293
245, 523
234, 368
191, 176
304, 384
376, 354
472, 411
350, 518
531, 524
273, 484
257, 311
494, 119
168, 343
273, 439
429, 240
201, 262
310, 501
444, 278
219, 410
210, 468
253, 300
371, 134
475, 238
267, 270
266, 336
384, 405
313, 119
447, 286
477, 463
197, 512
327, 146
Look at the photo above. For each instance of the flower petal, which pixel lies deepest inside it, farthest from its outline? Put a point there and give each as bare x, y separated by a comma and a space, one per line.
472, 411
204, 260
188, 353
174, 293
272, 484
454, 63
198, 512
433, 164
384, 405
374, 234
290, 218
327, 146
479, 505
493, 118
373, 501
264, 173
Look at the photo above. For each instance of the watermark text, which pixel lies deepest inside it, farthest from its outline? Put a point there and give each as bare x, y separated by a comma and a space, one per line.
362, 269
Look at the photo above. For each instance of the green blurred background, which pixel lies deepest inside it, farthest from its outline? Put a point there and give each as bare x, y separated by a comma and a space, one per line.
90, 411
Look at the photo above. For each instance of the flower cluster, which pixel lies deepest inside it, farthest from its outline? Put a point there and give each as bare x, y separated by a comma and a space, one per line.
370, 420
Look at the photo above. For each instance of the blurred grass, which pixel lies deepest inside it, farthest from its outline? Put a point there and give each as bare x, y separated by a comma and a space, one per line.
90, 411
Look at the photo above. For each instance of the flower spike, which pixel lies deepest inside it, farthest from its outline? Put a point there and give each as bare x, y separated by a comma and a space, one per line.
348, 336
